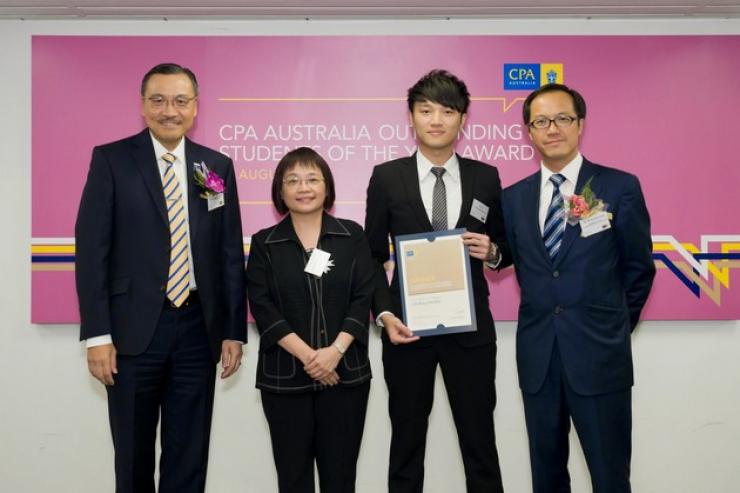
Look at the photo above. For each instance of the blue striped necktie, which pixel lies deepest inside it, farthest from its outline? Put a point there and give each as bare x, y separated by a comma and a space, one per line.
178, 280
554, 227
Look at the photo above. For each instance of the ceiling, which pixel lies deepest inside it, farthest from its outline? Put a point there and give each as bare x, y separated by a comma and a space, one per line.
32, 9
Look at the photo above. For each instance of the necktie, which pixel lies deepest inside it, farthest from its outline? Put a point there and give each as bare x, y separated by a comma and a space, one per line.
178, 281
439, 201
554, 227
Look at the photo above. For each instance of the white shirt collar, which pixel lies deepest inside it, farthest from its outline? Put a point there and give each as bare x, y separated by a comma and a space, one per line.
424, 166
160, 150
570, 171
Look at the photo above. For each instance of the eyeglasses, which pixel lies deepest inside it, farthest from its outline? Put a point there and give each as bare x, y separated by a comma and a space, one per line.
311, 182
180, 102
561, 121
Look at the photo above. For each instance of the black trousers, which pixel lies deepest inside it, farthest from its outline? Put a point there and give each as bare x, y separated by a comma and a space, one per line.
604, 426
469, 377
175, 376
324, 426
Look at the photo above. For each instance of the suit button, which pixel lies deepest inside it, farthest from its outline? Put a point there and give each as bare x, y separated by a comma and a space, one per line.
558, 309
556, 274
163, 287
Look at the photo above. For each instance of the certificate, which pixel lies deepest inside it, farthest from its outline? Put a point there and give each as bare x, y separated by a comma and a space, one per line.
434, 278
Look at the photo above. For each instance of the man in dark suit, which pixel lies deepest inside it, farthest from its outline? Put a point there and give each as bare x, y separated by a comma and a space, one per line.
160, 280
584, 267
436, 189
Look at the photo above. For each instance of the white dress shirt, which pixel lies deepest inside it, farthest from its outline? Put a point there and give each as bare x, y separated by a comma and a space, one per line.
567, 188
451, 179
181, 176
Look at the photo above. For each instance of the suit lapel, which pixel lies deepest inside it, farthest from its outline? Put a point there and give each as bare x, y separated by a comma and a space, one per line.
410, 180
144, 157
466, 184
194, 200
532, 211
588, 171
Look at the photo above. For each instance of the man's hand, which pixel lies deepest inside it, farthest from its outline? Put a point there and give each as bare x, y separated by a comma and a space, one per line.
397, 332
478, 245
101, 361
231, 357
323, 363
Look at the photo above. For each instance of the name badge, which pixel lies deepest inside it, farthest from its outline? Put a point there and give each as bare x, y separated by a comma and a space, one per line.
215, 201
317, 263
595, 223
479, 210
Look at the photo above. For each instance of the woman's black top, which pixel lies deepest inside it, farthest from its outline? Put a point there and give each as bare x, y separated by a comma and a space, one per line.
284, 299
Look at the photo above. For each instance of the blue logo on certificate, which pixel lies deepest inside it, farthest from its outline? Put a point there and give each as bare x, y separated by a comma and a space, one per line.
410, 253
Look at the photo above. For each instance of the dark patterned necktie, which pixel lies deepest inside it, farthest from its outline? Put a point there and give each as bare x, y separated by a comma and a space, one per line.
439, 201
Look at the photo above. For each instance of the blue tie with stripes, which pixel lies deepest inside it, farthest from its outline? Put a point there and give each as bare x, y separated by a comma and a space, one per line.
552, 232
178, 281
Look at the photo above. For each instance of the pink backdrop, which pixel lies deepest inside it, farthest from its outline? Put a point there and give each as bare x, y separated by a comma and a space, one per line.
662, 107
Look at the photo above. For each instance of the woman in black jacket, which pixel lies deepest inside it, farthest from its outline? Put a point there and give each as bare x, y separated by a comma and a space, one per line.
310, 284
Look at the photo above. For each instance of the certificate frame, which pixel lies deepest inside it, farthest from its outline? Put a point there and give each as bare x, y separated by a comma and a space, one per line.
453, 305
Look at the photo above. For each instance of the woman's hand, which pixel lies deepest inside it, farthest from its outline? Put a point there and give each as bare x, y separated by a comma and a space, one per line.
323, 363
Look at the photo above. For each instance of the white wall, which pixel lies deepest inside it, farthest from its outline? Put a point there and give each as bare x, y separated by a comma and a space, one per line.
53, 426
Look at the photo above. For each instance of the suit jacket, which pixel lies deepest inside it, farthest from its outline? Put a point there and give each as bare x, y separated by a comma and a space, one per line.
394, 206
284, 299
123, 247
590, 298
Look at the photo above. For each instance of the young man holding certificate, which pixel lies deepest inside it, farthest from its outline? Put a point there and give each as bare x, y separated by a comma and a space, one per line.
437, 190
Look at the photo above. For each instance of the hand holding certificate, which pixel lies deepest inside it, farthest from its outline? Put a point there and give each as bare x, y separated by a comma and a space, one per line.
434, 276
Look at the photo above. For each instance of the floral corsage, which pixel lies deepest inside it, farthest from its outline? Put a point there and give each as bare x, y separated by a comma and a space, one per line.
210, 183
583, 206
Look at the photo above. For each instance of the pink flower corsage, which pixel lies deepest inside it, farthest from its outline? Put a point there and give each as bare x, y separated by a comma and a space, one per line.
210, 183
582, 206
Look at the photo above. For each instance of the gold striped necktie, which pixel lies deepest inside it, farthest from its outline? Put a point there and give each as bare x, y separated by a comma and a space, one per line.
178, 281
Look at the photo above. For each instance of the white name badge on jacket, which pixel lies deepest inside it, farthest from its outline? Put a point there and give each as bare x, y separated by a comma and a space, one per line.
215, 201
317, 263
479, 210
595, 223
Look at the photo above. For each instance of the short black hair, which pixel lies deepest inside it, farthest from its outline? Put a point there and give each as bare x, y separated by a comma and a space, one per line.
579, 104
169, 69
307, 157
441, 87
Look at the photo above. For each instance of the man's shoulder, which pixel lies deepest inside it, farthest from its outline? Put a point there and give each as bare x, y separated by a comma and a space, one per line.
518, 186
390, 166
120, 144
205, 152
477, 165
610, 173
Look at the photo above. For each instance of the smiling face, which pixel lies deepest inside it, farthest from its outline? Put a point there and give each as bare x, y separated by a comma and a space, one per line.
557, 145
304, 189
169, 106
436, 127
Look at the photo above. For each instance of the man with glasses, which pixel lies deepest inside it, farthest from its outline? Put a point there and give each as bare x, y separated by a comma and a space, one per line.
160, 280
579, 234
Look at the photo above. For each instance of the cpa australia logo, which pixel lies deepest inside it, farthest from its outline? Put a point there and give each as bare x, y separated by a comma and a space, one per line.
552, 77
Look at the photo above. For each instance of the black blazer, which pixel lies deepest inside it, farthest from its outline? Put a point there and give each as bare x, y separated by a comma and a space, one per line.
123, 247
590, 298
394, 207
281, 300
